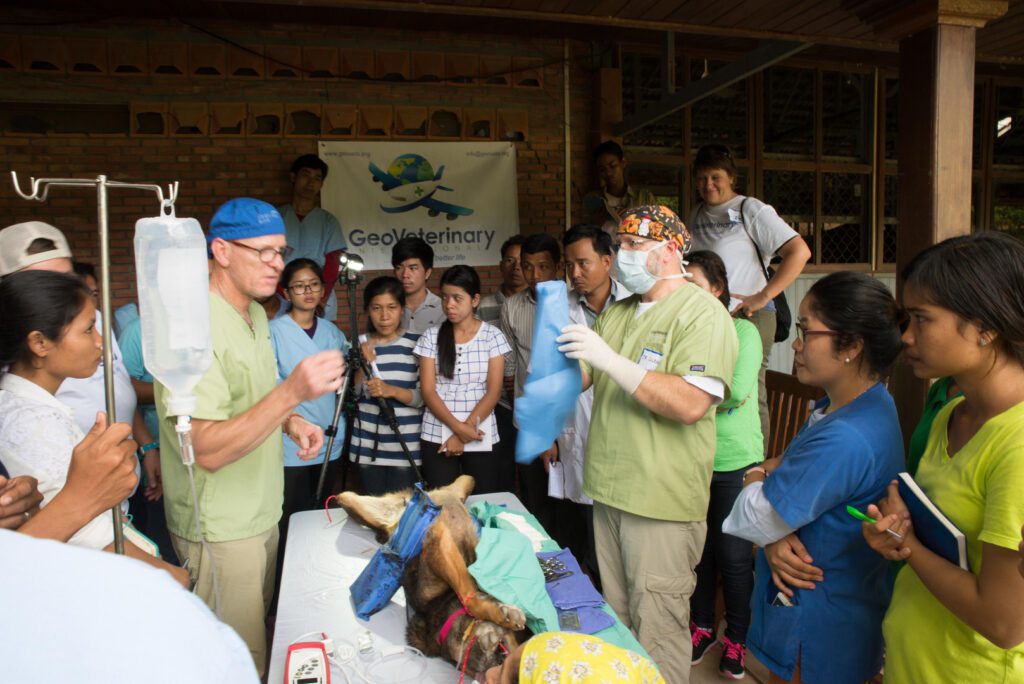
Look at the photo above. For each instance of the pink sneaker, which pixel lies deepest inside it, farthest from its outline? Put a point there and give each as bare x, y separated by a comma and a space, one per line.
734, 656
703, 639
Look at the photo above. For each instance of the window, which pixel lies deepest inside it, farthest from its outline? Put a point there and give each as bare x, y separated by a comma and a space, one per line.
815, 164
1008, 147
846, 100
789, 113
792, 195
642, 88
720, 118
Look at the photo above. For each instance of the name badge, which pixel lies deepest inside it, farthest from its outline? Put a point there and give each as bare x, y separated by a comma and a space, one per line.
649, 359
734, 216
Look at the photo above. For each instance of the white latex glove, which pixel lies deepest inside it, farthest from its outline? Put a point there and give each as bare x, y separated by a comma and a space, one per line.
580, 342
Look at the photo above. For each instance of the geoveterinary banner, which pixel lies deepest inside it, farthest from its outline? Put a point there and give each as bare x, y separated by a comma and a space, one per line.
460, 197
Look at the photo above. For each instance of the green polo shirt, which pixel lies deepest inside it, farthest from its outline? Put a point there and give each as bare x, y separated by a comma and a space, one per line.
638, 461
244, 498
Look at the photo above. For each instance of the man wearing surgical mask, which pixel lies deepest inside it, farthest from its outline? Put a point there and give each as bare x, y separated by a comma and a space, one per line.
659, 361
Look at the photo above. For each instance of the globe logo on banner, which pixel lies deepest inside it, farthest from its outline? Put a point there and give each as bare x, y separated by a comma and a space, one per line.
461, 198
409, 183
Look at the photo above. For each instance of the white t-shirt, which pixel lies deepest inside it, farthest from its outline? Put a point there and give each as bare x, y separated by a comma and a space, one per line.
721, 230
37, 436
85, 396
66, 609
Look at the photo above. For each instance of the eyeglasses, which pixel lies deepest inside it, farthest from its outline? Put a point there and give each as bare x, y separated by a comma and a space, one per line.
635, 243
267, 254
301, 288
802, 332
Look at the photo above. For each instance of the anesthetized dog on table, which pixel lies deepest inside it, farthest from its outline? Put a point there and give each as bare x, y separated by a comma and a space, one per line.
452, 617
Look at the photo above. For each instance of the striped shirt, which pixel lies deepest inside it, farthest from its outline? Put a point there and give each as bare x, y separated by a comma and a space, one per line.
517, 314
489, 310
463, 392
373, 440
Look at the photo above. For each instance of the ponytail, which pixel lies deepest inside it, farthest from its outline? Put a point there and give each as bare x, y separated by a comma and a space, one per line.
446, 349
466, 278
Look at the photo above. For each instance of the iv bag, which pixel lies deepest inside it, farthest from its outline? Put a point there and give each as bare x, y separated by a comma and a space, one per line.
174, 305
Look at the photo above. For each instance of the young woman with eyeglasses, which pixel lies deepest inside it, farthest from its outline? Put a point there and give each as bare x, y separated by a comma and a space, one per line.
746, 233
820, 592
296, 335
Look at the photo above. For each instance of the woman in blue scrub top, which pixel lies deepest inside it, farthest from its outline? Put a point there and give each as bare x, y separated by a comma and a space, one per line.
820, 592
301, 333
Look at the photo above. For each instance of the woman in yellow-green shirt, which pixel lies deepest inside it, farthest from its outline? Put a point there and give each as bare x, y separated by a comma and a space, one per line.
946, 624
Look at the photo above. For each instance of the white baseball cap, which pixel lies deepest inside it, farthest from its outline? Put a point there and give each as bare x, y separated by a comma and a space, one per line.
15, 241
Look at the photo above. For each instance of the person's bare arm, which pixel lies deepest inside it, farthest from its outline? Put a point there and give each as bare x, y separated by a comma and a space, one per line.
143, 391
672, 397
218, 443
151, 459
795, 255
180, 575
991, 602
485, 407
428, 387
667, 395
378, 388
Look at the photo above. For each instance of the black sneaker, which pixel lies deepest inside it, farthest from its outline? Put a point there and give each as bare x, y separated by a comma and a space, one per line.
703, 639
732, 664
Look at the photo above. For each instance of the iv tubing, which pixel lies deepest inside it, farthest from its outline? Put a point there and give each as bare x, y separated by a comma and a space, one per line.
184, 430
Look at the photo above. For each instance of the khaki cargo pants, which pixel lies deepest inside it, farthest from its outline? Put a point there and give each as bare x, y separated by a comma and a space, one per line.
647, 572
246, 570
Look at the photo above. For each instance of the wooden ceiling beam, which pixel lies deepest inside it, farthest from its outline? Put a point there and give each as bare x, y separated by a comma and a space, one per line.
433, 7
900, 18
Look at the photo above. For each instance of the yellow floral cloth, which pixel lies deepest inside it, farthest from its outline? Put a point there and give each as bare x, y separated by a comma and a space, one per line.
567, 657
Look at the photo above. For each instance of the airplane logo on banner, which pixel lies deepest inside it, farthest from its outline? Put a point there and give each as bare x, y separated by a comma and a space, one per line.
410, 182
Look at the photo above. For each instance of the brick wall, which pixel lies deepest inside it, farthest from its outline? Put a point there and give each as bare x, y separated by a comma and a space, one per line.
212, 168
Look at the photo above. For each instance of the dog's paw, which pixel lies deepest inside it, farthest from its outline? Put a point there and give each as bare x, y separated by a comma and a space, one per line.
512, 617
488, 636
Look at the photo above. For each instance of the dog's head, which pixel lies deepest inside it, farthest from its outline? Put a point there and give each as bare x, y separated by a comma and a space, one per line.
382, 513
489, 648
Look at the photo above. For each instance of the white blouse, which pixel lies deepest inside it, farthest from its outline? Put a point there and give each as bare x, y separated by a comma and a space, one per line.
463, 392
37, 435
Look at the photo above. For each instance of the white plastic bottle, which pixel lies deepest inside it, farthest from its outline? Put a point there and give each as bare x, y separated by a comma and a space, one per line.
174, 305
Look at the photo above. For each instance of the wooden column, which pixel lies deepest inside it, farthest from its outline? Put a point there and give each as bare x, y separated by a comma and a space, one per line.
936, 39
934, 149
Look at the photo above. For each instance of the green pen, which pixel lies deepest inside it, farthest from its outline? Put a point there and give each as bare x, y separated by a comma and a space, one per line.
868, 519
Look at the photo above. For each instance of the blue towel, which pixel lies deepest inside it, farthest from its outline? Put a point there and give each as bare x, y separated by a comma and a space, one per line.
579, 606
554, 383
379, 580
572, 591
585, 620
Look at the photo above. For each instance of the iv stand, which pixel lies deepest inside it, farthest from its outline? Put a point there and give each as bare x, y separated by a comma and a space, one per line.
102, 185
